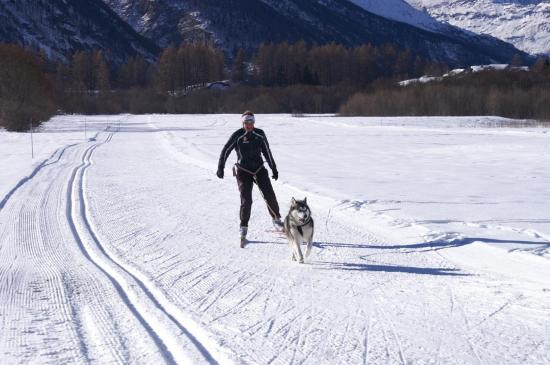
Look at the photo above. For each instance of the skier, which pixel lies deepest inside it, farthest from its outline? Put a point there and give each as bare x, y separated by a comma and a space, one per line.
250, 143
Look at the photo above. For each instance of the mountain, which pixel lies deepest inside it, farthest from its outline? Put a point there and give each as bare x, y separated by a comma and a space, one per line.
524, 23
247, 23
401, 11
61, 27
127, 27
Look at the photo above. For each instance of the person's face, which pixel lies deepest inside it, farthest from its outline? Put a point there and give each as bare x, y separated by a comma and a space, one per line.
248, 126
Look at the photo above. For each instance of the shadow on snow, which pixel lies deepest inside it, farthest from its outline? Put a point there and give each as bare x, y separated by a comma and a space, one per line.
428, 246
403, 248
391, 268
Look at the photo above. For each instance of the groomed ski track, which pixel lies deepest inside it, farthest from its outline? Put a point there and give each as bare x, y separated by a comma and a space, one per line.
159, 321
123, 249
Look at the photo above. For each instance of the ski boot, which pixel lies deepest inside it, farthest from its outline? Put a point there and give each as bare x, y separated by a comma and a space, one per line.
244, 231
278, 225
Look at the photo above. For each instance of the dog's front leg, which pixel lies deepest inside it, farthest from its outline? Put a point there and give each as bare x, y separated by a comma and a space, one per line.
309, 244
298, 252
292, 251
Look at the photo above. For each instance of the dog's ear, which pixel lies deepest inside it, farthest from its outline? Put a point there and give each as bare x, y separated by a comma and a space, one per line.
293, 202
305, 200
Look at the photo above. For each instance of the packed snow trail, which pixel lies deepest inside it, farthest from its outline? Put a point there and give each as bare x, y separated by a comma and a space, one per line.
124, 250
84, 306
363, 297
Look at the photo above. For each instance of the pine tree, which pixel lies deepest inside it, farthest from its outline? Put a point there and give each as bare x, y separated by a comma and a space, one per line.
363, 65
238, 71
82, 72
101, 72
264, 61
403, 64
166, 74
215, 64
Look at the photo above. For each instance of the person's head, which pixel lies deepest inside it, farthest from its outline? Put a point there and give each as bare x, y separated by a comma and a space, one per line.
248, 120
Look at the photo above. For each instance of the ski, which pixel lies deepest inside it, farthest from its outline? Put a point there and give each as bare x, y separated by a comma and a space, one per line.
276, 231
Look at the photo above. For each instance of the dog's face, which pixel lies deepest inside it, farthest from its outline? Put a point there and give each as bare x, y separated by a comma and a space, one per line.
299, 210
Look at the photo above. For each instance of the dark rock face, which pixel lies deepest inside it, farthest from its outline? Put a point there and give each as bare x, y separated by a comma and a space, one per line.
61, 27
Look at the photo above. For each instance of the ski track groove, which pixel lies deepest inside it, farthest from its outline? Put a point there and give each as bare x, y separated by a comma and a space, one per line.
395, 335
162, 340
86, 253
47, 162
168, 357
58, 288
466, 335
48, 234
221, 292
366, 345
499, 309
298, 336
386, 340
27, 233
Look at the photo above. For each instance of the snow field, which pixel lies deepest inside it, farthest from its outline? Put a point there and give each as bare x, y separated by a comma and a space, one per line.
124, 250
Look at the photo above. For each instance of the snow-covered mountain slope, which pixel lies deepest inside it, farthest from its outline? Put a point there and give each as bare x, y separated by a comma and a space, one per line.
248, 23
430, 244
524, 23
61, 27
401, 11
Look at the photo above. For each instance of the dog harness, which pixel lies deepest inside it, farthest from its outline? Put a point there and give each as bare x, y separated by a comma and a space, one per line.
250, 146
239, 167
299, 226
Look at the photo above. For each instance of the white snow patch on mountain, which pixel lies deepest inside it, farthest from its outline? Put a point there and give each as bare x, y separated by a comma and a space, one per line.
401, 11
524, 23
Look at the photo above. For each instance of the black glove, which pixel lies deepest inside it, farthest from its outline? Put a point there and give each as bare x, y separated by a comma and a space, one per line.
219, 173
275, 175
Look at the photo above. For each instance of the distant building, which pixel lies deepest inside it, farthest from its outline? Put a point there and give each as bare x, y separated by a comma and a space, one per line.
218, 85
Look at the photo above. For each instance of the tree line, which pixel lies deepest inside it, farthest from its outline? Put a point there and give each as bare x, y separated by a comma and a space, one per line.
176, 70
292, 78
333, 64
512, 93
189, 66
26, 89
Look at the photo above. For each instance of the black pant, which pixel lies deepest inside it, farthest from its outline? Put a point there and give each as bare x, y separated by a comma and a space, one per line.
246, 181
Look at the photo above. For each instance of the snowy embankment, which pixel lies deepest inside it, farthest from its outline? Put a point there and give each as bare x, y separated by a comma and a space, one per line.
431, 246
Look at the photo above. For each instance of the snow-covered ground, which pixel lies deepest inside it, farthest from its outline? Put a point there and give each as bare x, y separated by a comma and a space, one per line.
432, 244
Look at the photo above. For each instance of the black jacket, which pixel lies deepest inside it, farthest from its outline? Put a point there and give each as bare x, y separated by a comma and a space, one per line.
249, 147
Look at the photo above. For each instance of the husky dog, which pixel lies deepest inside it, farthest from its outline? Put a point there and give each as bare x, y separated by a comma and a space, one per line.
298, 228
